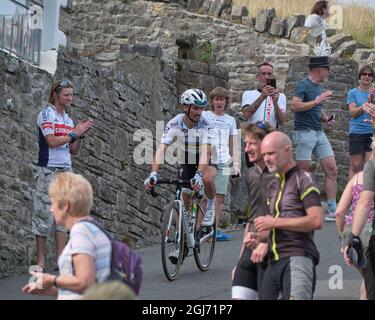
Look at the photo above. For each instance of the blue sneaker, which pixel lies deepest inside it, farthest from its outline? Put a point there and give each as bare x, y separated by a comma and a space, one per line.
220, 236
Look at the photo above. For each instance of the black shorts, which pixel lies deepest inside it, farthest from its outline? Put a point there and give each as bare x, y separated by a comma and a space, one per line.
248, 275
359, 143
187, 172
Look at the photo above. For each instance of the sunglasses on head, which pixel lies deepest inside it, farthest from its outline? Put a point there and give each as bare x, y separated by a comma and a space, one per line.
63, 84
261, 124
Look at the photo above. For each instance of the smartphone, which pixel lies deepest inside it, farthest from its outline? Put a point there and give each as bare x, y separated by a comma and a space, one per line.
271, 82
332, 116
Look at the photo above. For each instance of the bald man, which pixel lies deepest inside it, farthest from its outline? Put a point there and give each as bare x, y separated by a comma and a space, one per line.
295, 212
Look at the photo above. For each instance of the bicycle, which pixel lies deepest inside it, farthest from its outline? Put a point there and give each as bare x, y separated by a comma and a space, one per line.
181, 234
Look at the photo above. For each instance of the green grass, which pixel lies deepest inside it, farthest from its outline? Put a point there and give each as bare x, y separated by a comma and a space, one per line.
358, 20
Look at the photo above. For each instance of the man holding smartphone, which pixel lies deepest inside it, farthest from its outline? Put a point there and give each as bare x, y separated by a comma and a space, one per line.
266, 103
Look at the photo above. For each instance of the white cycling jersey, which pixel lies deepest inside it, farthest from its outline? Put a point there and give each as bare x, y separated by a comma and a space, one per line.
187, 141
49, 121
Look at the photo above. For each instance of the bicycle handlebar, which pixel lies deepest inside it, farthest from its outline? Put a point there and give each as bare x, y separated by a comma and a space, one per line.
166, 181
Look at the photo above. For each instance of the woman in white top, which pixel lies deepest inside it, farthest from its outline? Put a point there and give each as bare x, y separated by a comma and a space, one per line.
315, 21
86, 258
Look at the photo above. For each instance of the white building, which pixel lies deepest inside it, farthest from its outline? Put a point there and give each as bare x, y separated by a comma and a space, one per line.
30, 28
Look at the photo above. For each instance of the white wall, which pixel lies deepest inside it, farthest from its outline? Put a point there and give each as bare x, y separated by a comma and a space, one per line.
52, 37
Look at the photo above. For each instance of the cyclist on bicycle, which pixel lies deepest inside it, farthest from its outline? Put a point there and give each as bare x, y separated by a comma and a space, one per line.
194, 149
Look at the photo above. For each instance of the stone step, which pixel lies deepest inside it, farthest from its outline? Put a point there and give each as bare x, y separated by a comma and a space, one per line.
336, 40
347, 49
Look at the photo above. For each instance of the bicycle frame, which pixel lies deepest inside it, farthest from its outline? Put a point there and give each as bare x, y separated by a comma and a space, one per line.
188, 225
190, 237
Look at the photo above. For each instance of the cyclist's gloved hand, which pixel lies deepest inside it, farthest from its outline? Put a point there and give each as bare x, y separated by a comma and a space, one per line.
355, 251
151, 180
197, 182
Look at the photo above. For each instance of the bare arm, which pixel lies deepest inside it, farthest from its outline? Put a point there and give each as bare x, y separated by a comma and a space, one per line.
204, 158
55, 142
249, 110
279, 114
75, 147
84, 276
343, 205
355, 111
323, 116
298, 105
159, 157
58, 141
361, 212
312, 221
83, 279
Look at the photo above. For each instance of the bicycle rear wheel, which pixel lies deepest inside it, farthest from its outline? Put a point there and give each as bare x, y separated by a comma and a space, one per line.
204, 252
172, 242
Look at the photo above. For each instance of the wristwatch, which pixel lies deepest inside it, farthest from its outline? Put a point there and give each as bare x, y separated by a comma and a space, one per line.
72, 136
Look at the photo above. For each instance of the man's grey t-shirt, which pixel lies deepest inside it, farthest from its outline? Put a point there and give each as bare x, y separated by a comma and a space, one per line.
369, 176
309, 119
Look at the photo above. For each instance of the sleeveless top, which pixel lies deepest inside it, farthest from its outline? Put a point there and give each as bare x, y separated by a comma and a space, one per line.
356, 191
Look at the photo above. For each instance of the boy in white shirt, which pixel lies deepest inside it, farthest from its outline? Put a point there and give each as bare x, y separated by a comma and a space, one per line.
224, 137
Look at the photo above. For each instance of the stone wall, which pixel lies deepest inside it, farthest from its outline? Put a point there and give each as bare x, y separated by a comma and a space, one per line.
27, 87
266, 21
128, 67
122, 99
236, 47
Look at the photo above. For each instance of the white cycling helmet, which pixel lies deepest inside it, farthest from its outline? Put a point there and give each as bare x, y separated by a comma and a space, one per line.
194, 96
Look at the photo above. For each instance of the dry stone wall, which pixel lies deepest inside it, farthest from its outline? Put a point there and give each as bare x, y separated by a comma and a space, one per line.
237, 47
131, 95
129, 60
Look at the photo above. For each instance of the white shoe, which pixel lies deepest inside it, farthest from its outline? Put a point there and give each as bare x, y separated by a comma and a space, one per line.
330, 217
209, 218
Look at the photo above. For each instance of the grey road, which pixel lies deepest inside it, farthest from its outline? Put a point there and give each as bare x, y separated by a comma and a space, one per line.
341, 283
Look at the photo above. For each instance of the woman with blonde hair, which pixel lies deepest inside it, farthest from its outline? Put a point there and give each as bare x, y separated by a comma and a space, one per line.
86, 258
344, 222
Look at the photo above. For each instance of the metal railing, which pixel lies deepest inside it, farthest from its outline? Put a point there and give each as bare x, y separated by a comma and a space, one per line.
19, 37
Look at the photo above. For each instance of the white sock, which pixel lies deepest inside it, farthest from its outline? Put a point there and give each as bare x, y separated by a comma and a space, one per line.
210, 203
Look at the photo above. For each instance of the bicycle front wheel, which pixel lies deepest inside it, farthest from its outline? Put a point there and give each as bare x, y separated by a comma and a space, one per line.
172, 242
205, 247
